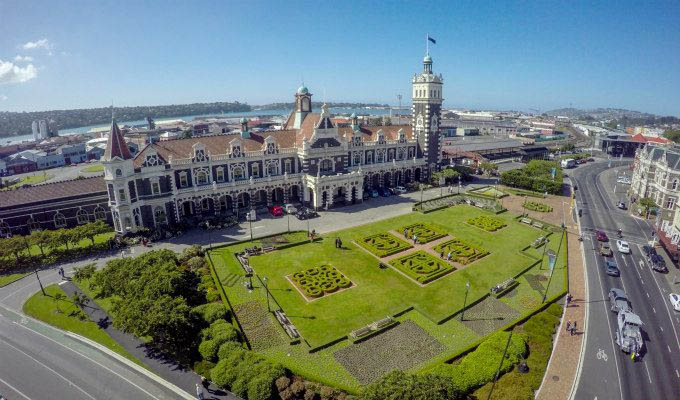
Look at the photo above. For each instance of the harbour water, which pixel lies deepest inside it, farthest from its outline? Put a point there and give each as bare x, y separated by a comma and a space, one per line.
282, 112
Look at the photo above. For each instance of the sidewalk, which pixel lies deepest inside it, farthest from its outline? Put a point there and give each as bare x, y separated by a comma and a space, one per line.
163, 367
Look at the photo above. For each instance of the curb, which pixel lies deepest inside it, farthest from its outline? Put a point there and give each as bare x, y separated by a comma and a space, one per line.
130, 364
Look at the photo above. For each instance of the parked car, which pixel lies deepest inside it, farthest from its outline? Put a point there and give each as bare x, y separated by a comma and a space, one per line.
251, 215
658, 264
290, 209
276, 211
384, 192
675, 301
622, 246
400, 189
611, 268
606, 250
648, 250
618, 301
366, 195
374, 193
305, 213
621, 205
601, 236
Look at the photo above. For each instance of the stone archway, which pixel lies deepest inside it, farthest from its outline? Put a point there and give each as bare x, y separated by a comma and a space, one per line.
407, 176
226, 204
387, 181
375, 181
398, 178
277, 195
324, 198
260, 198
188, 208
243, 200
354, 194
417, 175
339, 194
294, 194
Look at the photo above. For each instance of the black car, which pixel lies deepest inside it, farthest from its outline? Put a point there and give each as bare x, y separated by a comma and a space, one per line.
383, 192
611, 268
648, 250
366, 195
658, 263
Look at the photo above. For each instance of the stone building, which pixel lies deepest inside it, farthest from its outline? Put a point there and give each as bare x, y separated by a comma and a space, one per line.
311, 161
656, 175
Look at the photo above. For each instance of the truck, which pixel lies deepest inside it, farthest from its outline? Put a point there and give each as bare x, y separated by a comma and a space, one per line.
628, 336
618, 301
568, 163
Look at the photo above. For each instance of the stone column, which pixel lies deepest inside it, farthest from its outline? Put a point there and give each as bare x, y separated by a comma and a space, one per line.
286, 192
348, 194
234, 204
269, 197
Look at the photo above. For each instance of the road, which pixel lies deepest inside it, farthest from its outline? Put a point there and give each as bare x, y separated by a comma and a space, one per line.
607, 372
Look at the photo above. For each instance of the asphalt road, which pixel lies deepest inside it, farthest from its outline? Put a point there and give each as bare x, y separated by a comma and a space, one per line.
607, 372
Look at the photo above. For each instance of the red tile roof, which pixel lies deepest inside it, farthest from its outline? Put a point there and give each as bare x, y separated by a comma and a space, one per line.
52, 191
649, 139
116, 146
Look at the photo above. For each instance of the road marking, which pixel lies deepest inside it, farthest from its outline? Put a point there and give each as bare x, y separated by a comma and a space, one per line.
28, 398
48, 368
654, 309
62, 282
643, 282
661, 327
669, 348
647, 294
601, 355
677, 374
648, 374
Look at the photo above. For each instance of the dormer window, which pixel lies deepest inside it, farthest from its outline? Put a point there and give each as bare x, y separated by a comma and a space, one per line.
271, 148
151, 160
119, 172
326, 165
357, 140
199, 155
236, 151
380, 137
402, 136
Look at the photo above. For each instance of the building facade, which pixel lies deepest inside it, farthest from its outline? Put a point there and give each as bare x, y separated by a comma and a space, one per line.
656, 175
311, 161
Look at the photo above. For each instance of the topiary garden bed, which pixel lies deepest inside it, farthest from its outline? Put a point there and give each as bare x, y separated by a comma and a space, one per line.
384, 244
461, 251
489, 224
424, 232
422, 267
320, 281
536, 206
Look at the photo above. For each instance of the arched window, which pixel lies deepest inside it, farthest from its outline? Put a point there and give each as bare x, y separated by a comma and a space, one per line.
137, 217
201, 177
119, 172
400, 154
357, 158
238, 174
381, 156
159, 215
369, 158
326, 165
83, 217
273, 168
99, 213
33, 225
4, 229
59, 220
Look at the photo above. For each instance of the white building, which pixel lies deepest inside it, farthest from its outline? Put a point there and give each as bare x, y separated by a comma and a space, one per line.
657, 175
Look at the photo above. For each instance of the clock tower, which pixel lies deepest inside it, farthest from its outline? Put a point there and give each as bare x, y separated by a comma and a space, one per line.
426, 111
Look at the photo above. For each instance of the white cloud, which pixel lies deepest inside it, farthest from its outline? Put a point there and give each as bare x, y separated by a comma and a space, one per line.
20, 58
3, 97
38, 44
12, 73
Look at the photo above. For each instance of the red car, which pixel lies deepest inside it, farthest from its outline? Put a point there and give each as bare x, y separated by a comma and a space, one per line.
276, 211
601, 236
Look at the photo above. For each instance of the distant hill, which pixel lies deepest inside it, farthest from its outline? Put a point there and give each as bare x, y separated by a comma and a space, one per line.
316, 105
620, 115
19, 123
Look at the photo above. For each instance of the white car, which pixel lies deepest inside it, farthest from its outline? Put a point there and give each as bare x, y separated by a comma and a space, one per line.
399, 190
675, 301
289, 209
623, 246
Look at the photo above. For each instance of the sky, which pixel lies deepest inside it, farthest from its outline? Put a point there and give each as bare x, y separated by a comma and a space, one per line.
518, 55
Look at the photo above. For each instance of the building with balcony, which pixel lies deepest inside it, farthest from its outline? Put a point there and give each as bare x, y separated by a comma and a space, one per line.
656, 174
311, 161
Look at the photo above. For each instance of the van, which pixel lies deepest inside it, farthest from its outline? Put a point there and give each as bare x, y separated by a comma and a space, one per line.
568, 163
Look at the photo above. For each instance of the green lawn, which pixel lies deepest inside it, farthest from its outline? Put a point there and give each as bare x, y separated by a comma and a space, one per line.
376, 292
44, 308
102, 238
93, 168
31, 180
7, 279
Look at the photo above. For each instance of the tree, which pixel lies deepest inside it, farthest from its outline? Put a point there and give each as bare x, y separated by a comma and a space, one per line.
83, 273
487, 167
611, 124
672, 134
61, 237
400, 385
41, 239
14, 245
647, 203
91, 230
57, 298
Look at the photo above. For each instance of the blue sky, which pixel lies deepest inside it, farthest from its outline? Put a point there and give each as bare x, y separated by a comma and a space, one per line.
498, 55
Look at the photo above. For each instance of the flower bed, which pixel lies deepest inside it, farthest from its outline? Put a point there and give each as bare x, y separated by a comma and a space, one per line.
384, 244
319, 281
424, 232
489, 191
536, 206
461, 251
422, 267
489, 224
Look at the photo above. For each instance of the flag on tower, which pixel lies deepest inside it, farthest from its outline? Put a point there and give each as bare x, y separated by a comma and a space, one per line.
431, 39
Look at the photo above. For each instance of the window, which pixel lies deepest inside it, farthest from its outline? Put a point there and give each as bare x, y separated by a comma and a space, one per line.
4, 229
82, 217
205, 205
237, 172
326, 165
59, 220
381, 156
357, 140
236, 151
273, 168
199, 155
670, 203
137, 217
255, 168
287, 166
390, 154
411, 152
357, 159
151, 160
155, 188
159, 215
119, 172
33, 225
99, 213
400, 154
220, 174
369, 158
271, 148
201, 177
183, 179
121, 194
116, 221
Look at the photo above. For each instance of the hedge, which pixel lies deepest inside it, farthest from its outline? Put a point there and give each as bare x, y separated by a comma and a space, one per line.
212, 312
536, 206
536, 176
246, 374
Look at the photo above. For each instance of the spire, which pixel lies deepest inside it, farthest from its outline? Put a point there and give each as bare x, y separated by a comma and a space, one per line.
116, 146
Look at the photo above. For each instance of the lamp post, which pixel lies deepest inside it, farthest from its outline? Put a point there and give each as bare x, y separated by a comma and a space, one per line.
552, 257
214, 189
250, 223
266, 289
467, 289
42, 289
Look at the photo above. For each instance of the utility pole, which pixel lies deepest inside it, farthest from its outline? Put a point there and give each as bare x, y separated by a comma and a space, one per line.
498, 372
42, 289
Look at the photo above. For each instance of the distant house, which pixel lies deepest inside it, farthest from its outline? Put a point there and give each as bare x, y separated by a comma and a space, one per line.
19, 165
43, 159
73, 153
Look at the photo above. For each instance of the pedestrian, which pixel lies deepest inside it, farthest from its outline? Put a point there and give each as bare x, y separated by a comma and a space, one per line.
632, 356
339, 243
569, 326
573, 329
568, 299
199, 392
406, 233
448, 257
441, 255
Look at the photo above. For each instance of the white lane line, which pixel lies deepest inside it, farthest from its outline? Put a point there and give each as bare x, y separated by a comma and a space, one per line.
648, 374
654, 309
677, 374
62, 282
643, 282
661, 327
647, 294
48, 368
669, 348
28, 398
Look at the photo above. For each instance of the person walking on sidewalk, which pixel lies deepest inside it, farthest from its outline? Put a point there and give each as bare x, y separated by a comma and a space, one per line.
199, 392
573, 329
568, 326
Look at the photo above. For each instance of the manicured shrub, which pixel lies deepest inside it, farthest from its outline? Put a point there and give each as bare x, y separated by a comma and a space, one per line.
260, 388
383, 244
282, 383
203, 368
226, 372
228, 348
208, 349
212, 295
536, 206
399, 385
212, 312
225, 331
318, 281
489, 224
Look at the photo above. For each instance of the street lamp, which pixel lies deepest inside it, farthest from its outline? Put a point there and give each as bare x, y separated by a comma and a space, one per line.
552, 257
42, 289
467, 289
266, 289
